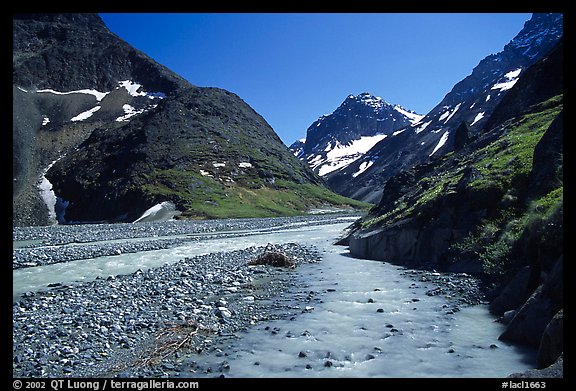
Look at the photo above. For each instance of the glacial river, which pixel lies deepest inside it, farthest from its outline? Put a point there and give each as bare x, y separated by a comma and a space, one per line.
370, 319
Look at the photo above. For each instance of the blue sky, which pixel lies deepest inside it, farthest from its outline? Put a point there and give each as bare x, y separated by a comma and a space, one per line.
294, 67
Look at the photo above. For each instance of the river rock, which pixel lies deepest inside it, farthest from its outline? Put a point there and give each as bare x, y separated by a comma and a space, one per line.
514, 293
555, 370
529, 323
552, 343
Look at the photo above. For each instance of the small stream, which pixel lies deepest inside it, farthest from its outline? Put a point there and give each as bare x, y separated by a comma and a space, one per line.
369, 320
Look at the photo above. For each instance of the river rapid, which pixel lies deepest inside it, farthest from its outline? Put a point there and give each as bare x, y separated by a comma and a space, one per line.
334, 317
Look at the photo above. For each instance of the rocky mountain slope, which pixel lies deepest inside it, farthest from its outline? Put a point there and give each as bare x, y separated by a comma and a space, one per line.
335, 140
493, 207
103, 133
470, 102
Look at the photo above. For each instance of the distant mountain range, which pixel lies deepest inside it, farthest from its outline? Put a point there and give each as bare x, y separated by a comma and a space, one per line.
338, 139
470, 103
103, 133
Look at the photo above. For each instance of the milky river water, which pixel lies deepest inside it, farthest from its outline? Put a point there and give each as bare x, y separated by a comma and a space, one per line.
367, 318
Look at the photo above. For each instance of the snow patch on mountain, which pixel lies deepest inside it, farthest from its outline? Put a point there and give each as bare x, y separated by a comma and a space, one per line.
363, 167
159, 212
412, 116
422, 127
441, 142
86, 114
478, 117
130, 112
132, 88
47, 193
340, 155
510, 79
449, 113
97, 94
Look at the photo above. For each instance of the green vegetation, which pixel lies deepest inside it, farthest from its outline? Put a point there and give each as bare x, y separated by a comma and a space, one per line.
426, 192
501, 243
485, 189
203, 196
508, 160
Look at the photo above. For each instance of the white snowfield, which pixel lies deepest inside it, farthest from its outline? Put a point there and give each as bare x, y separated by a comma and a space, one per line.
131, 87
448, 114
130, 112
442, 141
99, 95
413, 117
422, 127
159, 212
510, 79
85, 115
339, 155
478, 117
363, 167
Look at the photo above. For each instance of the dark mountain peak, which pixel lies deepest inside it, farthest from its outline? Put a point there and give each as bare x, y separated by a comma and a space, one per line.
71, 19
68, 52
366, 99
538, 34
339, 138
297, 147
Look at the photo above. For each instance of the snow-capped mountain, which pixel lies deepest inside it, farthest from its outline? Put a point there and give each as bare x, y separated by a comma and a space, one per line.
103, 133
335, 140
470, 102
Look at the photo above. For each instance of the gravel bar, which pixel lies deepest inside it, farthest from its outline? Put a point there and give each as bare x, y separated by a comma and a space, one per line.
113, 326
150, 323
65, 243
66, 234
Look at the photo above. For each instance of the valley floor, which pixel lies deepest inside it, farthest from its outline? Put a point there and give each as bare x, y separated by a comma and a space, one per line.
186, 310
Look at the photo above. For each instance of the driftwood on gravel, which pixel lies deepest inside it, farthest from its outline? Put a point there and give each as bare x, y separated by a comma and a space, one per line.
166, 343
172, 339
272, 257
